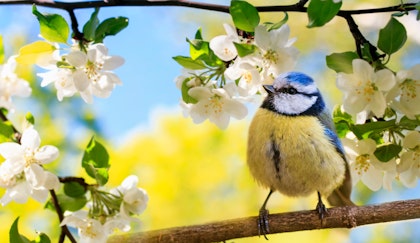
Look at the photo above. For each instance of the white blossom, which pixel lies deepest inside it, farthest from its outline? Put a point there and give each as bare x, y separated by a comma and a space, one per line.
275, 51
134, 199
366, 167
91, 230
409, 166
364, 89
87, 72
93, 76
223, 46
215, 104
250, 81
407, 92
22, 173
11, 85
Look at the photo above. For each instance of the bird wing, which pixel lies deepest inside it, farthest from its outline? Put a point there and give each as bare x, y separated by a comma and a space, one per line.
341, 195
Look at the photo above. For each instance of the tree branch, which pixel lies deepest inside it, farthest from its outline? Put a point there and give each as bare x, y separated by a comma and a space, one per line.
338, 217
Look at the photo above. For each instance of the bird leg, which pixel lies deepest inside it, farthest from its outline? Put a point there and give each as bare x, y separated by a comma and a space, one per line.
263, 226
320, 207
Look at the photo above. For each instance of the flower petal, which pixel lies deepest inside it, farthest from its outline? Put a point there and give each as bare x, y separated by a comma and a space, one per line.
30, 139
46, 154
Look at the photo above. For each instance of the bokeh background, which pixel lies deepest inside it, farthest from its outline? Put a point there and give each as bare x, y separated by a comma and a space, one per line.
193, 173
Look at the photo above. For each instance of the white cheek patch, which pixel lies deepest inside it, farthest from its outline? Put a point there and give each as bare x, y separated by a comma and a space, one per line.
293, 104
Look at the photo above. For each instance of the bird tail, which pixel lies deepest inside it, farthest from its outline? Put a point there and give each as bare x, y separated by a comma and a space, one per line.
341, 195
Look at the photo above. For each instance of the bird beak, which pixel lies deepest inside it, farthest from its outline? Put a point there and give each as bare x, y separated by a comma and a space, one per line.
269, 88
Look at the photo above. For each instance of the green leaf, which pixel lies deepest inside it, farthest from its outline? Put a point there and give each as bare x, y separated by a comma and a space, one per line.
409, 124
321, 12
74, 189
273, 26
111, 26
418, 11
30, 118
392, 37
386, 152
14, 235
68, 203
342, 121
244, 15
6, 131
89, 28
341, 62
361, 130
189, 63
53, 27
30, 53
245, 49
96, 161
184, 91
42, 238
198, 48
198, 35
1, 50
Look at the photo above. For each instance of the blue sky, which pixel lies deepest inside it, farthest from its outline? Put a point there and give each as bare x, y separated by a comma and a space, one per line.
154, 35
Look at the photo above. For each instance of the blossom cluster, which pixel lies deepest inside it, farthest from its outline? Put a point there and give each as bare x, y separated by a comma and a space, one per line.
86, 69
97, 224
11, 84
219, 91
383, 95
22, 173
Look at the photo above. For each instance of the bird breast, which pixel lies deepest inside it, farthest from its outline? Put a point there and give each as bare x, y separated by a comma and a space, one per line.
292, 154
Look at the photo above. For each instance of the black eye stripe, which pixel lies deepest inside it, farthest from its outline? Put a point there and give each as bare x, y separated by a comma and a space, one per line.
288, 90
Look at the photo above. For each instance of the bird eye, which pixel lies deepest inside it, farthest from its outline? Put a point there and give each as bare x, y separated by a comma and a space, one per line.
288, 90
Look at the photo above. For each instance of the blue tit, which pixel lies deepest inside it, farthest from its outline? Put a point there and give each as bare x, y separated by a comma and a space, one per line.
293, 147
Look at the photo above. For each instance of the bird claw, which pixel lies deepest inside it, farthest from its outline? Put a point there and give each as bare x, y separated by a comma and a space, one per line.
321, 209
263, 226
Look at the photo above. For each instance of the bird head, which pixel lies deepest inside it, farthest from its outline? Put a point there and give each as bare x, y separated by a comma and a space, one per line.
293, 94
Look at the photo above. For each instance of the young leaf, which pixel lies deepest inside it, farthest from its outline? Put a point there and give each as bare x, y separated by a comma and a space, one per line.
392, 37
96, 161
68, 203
321, 12
189, 63
14, 235
42, 238
30, 53
74, 189
273, 26
245, 49
89, 28
360, 130
6, 131
386, 152
406, 123
53, 27
30, 118
198, 48
111, 26
244, 15
341, 62
184, 91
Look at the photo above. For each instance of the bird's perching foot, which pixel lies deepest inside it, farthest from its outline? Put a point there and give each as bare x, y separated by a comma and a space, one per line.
262, 222
320, 208
263, 226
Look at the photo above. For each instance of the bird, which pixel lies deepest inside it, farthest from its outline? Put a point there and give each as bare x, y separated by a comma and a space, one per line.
293, 147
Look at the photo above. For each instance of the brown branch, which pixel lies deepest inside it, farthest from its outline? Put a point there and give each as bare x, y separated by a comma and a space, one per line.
64, 229
339, 217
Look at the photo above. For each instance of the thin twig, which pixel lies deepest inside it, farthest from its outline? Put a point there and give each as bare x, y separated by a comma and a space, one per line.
64, 230
339, 217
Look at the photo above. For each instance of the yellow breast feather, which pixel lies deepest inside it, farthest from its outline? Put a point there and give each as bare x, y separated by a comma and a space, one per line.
296, 148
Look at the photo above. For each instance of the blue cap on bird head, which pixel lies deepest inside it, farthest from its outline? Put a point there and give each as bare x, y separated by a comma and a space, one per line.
298, 78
